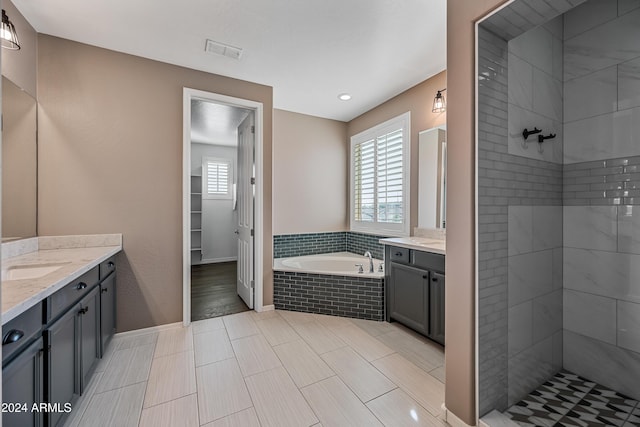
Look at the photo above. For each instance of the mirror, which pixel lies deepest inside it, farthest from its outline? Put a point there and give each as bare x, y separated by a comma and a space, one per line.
19, 162
432, 174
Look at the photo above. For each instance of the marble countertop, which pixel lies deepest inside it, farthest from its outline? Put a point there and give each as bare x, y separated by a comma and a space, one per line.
20, 295
426, 244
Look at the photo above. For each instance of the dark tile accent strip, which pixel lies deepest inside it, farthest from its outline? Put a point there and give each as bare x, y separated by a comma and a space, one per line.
308, 244
288, 245
359, 243
346, 296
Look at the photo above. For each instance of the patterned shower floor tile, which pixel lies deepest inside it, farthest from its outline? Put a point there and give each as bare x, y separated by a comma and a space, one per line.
570, 400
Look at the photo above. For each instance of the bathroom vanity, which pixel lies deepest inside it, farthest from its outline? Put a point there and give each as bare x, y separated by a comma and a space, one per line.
58, 314
415, 284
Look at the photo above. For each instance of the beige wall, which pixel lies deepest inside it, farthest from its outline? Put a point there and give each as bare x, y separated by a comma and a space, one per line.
111, 161
19, 66
460, 296
418, 100
309, 174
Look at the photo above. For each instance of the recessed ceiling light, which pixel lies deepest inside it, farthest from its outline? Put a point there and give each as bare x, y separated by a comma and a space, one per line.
344, 97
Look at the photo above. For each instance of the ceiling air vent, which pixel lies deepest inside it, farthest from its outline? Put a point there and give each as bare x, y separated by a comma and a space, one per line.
222, 49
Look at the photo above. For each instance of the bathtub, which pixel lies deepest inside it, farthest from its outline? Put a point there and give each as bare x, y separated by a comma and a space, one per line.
329, 284
335, 264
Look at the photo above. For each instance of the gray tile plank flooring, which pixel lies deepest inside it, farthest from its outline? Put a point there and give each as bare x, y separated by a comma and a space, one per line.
297, 368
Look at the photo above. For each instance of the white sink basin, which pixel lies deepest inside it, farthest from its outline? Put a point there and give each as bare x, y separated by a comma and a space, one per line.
424, 241
30, 271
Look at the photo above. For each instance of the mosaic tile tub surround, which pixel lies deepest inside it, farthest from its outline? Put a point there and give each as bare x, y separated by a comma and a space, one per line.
288, 245
346, 296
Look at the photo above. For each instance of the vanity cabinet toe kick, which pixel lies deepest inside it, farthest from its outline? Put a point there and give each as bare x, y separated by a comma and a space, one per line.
50, 351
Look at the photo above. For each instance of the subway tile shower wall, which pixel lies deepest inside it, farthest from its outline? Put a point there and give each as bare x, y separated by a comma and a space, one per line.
517, 194
603, 182
289, 245
355, 297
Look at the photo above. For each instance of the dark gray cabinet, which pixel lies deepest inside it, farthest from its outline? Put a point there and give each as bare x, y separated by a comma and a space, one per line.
408, 297
50, 351
436, 307
22, 368
415, 289
74, 348
22, 387
62, 359
107, 304
88, 336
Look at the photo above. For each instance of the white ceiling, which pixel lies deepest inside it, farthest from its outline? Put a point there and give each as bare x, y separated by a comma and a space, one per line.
217, 124
308, 50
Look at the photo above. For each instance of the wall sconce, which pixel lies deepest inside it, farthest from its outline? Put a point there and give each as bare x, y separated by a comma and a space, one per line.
8, 33
439, 105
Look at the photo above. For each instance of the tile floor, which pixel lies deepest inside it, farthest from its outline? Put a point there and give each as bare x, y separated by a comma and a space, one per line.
276, 368
570, 400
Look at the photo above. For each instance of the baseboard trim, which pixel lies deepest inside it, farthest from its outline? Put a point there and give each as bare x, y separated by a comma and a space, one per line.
148, 330
266, 308
452, 419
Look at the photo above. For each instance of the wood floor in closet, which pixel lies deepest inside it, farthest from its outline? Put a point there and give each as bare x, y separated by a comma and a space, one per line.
213, 291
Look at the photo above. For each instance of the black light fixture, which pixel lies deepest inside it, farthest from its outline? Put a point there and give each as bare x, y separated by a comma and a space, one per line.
8, 33
439, 105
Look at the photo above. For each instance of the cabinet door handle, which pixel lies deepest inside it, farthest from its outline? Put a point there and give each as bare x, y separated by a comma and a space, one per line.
104, 290
110, 264
81, 286
434, 279
83, 310
426, 276
398, 253
12, 336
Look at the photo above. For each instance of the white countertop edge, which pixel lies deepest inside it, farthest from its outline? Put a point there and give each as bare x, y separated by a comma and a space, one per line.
404, 242
25, 305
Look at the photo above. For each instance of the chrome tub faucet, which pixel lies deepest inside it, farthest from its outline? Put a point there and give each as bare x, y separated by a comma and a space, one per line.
368, 254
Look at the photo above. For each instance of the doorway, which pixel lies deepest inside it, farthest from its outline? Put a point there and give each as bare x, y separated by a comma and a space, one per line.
222, 205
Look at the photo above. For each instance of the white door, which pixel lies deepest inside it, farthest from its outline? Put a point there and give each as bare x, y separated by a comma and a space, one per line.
245, 209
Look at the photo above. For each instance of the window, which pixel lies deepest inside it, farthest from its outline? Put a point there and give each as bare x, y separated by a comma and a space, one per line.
218, 178
379, 178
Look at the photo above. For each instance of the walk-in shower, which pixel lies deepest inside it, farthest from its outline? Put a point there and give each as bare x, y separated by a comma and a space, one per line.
558, 185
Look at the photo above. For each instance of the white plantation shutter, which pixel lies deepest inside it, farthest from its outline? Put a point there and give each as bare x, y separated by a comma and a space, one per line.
390, 177
364, 170
379, 178
217, 178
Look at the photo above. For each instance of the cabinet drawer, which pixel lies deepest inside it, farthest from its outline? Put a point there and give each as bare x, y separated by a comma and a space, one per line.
428, 260
107, 267
71, 293
19, 331
399, 254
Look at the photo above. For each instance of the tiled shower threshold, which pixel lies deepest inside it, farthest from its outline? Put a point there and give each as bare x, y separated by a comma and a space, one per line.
570, 400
